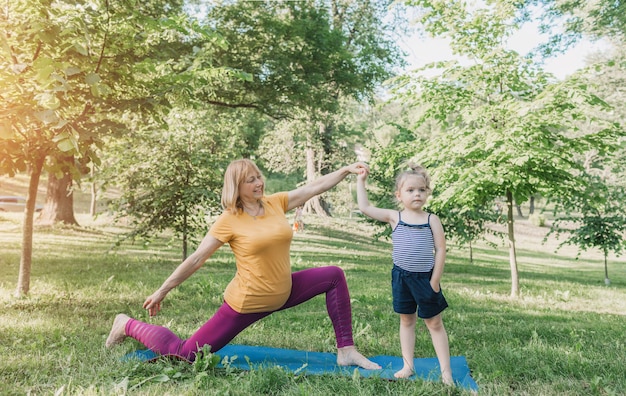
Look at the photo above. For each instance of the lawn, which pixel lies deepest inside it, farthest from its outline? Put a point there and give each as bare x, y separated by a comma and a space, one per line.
564, 335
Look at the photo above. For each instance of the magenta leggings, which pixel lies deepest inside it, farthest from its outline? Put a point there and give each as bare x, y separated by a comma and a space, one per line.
226, 323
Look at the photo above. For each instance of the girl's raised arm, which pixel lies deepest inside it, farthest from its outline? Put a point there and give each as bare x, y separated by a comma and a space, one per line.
380, 214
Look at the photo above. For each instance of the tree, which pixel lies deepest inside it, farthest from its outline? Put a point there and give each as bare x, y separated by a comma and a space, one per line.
44, 96
173, 180
362, 24
321, 52
597, 19
289, 143
508, 129
281, 80
466, 225
74, 73
59, 206
598, 221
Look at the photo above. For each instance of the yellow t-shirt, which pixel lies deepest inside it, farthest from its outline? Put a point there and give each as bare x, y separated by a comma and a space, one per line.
261, 247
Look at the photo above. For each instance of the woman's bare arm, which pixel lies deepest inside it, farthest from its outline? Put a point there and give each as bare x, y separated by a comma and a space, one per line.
207, 247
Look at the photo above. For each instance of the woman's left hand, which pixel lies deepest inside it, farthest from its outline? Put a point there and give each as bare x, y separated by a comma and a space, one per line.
153, 303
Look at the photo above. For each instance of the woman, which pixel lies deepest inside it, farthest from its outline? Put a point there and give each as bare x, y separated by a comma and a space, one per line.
259, 234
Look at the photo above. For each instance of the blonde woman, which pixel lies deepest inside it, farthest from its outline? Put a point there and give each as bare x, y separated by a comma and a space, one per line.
259, 235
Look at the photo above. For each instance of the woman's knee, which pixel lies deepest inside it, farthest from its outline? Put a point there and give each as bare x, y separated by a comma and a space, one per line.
337, 272
332, 273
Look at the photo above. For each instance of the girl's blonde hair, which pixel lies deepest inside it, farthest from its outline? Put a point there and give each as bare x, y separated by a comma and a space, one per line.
235, 174
414, 170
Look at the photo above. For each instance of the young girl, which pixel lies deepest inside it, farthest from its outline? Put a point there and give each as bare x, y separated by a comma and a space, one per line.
419, 251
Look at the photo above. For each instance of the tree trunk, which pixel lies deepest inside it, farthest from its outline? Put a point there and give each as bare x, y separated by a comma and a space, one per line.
94, 193
59, 206
531, 208
316, 204
512, 253
326, 137
185, 235
23, 278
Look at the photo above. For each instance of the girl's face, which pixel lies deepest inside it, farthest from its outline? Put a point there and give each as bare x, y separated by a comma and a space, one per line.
413, 192
252, 187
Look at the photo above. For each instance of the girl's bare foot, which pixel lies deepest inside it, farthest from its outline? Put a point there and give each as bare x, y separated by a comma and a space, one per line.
349, 356
118, 331
446, 378
406, 372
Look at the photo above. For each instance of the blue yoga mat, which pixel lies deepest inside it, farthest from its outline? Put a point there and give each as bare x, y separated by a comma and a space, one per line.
247, 357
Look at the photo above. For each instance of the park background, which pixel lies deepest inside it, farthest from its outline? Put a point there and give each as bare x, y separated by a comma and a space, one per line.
119, 117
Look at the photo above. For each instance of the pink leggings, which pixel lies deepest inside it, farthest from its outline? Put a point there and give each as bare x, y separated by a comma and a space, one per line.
226, 323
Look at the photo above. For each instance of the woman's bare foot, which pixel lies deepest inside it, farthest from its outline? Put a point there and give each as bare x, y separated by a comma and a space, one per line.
118, 331
406, 372
349, 356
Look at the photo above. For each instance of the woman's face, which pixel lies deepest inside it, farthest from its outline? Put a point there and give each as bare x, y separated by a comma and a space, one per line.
252, 187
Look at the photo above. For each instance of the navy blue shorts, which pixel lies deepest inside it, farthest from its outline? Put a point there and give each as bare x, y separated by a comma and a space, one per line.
412, 292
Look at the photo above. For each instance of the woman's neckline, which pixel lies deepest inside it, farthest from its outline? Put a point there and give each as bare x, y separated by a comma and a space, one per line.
257, 213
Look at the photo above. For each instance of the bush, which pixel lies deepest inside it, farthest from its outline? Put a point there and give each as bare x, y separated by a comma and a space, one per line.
537, 219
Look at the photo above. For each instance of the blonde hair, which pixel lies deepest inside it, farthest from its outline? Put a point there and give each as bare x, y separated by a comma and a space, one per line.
236, 172
414, 170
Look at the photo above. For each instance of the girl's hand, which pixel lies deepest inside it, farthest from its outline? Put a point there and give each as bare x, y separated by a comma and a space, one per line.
436, 287
362, 170
362, 175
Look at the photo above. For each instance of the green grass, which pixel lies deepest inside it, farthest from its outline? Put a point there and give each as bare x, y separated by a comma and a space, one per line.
564, 335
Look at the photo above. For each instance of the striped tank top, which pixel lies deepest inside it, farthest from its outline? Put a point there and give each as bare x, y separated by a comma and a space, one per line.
413, 246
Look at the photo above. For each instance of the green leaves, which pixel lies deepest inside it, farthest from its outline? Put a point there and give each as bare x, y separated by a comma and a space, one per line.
604, 18
66, 142
505, 126
302, 55
595, 220
171, 179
